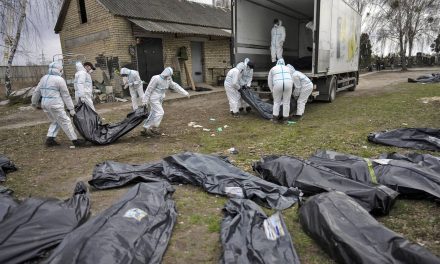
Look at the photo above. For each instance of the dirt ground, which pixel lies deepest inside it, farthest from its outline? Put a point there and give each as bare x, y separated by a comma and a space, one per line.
54, 172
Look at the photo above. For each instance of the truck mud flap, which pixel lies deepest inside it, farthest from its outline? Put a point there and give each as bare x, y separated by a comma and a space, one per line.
412, 175
346, 231
312, 179
415, 138
136, 229
89, 125
249, 236
34, 226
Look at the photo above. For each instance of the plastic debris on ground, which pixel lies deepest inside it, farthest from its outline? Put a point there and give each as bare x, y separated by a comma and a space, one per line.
214, 174
89, 124
136, 229
206, 129
415, 138
249, 236
412, 175
6, 166
233, 151
346, 231
219, 129
312, 179
34, 226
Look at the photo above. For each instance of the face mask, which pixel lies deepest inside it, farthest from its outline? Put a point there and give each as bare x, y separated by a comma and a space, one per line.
91, 71
125, 79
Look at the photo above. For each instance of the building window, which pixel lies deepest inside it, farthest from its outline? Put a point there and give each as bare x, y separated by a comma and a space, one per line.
82, 11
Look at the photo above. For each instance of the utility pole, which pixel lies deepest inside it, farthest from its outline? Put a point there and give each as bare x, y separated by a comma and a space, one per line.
43, 58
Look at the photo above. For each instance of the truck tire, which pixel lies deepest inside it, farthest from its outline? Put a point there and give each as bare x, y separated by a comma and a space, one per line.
352, 89
332, 90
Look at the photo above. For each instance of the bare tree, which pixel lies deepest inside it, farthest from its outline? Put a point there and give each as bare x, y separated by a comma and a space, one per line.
16, 23
423, 18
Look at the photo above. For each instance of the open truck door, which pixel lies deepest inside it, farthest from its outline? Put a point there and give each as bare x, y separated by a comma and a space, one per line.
328, 54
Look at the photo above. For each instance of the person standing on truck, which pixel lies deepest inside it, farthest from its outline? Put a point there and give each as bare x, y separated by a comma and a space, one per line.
232, 85
303, 89
278, 34
280, 84
246, 81
133, 81
83, 84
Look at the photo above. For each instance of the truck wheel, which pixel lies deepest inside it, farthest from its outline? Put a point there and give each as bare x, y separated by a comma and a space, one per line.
351, 89
332, 90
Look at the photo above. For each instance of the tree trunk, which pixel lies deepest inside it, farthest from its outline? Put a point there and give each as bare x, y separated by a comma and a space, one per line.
20, 25
410, 48
402, 52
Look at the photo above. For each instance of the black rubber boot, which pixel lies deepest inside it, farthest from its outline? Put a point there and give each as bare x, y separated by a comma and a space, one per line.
274, 119
285, 120
248, 109
50, 142
78, 143
296, 118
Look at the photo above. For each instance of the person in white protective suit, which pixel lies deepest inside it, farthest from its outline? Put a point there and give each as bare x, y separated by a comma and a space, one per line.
232, 85
133, 81
246, 80
154, 96
278, 35
280, 84
303, 89
54, 95
83, 84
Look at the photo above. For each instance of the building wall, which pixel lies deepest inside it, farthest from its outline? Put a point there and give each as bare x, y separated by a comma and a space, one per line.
216, 54
103, 33
111, 36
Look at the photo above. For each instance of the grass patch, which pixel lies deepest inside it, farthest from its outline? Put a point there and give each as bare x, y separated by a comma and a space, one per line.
341, 126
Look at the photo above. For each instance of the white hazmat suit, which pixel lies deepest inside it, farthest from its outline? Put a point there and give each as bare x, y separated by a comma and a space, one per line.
280, 83
155, 94
52, 90
278, 35
245, 80
232, 85
83, 86
303, 89
134, 83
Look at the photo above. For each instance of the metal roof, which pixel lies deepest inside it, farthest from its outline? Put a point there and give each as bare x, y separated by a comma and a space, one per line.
174, 11
177, 11
165, 27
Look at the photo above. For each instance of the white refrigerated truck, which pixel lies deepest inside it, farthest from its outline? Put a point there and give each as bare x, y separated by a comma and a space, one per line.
328, 53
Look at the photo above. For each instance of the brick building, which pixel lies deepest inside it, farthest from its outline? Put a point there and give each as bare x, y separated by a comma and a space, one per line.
146, 35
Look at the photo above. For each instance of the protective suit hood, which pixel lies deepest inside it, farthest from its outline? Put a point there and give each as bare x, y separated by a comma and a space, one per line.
55, 68
291, 67
125, 71
167, 72
281, 62
79, 67
241, 67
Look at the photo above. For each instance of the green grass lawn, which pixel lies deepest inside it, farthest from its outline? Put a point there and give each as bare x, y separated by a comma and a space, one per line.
341, 126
